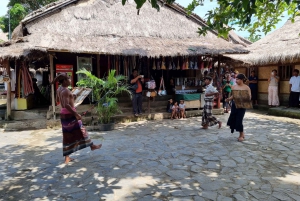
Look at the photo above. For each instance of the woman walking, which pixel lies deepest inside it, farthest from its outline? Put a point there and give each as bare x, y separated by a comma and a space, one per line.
235, 120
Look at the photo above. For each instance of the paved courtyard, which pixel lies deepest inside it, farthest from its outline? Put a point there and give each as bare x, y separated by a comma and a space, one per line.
157, 160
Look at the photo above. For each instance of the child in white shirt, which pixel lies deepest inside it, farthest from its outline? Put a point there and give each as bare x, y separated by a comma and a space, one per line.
182, 109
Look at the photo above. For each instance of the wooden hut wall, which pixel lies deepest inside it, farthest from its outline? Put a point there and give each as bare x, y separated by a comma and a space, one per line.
71, 59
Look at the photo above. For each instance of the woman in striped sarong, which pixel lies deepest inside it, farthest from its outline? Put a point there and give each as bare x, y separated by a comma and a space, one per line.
207, 118
75, 136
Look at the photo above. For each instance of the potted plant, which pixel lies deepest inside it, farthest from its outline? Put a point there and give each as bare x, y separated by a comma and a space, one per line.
105, 92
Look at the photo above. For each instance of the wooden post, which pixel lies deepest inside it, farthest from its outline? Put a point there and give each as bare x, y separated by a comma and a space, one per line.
52, 86
8, 94
98, 65
220, 89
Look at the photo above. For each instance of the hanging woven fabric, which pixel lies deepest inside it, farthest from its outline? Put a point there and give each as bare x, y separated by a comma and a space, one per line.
178, 65
163, 64
153, 65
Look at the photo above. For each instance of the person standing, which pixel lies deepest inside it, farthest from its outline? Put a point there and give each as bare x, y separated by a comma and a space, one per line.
136, 81
227, 84
75, 136
235, 120
273, 98
207, 118
253, 80
294, 89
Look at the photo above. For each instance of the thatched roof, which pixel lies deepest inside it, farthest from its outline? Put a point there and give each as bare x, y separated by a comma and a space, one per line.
107, 27
237, 39
280, 46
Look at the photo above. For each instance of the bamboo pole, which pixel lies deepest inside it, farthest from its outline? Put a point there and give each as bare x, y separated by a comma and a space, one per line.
98, 65
220, 89
52, 86
8, 95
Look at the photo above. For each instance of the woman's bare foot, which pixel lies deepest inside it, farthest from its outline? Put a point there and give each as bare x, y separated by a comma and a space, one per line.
94, 147
220, 124
240, 139
68, 159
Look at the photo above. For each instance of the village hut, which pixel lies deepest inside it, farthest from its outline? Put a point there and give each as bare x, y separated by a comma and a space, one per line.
105, 33
278, 50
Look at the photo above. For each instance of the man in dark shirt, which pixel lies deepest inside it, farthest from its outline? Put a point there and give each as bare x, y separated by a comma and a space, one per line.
253, 86
137, 97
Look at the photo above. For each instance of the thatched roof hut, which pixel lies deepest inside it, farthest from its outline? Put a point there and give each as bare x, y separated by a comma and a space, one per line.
281, 46
108, 27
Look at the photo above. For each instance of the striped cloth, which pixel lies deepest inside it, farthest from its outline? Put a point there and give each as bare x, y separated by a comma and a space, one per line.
75, 136
207, 118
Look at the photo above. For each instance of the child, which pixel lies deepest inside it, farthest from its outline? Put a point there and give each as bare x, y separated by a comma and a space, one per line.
182, 109
174, 111
170, 105
207, 118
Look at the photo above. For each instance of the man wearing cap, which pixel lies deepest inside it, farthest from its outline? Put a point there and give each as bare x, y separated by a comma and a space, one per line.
207, 118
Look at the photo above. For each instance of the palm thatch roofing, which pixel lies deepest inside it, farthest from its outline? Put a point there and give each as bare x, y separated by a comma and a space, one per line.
108, 27
280, 46
237, 39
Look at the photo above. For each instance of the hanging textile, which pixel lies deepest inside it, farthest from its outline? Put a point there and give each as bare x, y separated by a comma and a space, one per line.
27, 81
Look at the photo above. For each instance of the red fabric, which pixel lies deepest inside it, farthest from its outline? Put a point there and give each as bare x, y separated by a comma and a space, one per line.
140, 88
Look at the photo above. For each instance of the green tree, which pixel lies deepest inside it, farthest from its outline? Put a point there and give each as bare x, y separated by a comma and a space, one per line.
19, 9
30, 5
253, 15
255, 38
17, 13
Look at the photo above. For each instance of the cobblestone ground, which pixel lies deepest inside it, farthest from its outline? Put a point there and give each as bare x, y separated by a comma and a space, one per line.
157, 160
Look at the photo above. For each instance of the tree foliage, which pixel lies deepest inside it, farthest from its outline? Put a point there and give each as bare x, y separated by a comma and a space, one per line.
253, 15
19, 9
105, 91
17, 13
30, 5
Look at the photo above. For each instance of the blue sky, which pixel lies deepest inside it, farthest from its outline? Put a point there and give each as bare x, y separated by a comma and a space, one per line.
209, 5
3, 8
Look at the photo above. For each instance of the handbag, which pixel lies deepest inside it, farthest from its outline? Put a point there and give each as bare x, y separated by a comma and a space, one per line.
151, 84
162, 92
133, 87
153, 94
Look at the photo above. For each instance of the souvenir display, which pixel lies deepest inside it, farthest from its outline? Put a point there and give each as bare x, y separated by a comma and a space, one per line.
153, 66
151, 84
178, 66
170, 65
163, 64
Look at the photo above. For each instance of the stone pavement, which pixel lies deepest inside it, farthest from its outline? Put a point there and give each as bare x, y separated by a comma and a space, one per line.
157, 160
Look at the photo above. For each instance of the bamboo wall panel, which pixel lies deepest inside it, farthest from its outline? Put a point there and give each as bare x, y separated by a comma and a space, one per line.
284, 87
242, 70
265, 72
263, 86
297, 67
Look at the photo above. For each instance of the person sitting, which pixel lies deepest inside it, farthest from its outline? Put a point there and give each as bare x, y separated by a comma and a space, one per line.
182, 109
170, 105
174, 114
